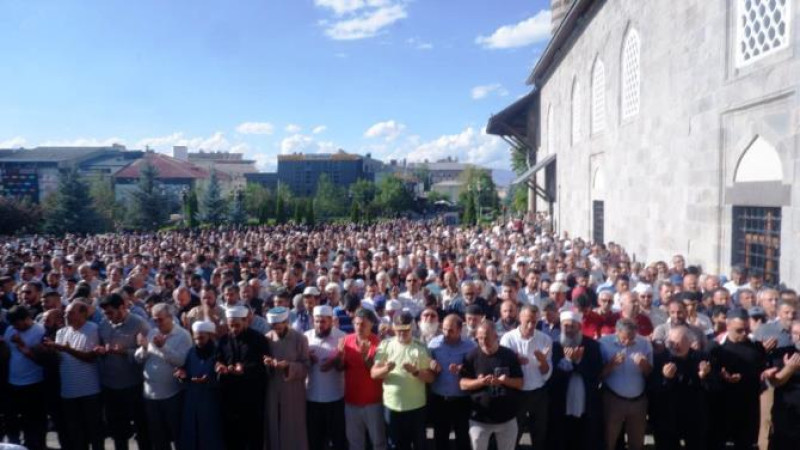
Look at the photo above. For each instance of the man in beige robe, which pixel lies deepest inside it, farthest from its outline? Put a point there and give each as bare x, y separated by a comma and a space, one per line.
287, 367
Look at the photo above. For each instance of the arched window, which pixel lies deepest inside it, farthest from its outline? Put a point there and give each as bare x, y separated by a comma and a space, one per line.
630, 75
576, 111
551, 131
759, 162
598, 97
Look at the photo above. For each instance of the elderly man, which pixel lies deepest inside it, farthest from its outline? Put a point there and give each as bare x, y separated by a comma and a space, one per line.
80, 379
162, 351
785, 376
202, 412
240, 368
120, 376
303, 321
677, 318
404, 366
428, 324
362, 394
26, 395
628, 360
574, 413
629, 309
493, 376
679, 397
533, 348
287, 366
450, 405
608, 317
325, 389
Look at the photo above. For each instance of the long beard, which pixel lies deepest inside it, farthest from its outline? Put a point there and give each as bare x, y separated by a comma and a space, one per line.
428, 328
567, 341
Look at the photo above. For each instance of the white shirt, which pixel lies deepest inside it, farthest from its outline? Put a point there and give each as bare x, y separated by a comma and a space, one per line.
411, 303
324, 387
161, 362
78, 378
532, 377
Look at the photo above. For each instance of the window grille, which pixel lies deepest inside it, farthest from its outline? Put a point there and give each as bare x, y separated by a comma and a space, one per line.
762, 28
630, 75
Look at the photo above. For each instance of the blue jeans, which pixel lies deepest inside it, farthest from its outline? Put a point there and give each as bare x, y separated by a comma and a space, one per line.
406, 429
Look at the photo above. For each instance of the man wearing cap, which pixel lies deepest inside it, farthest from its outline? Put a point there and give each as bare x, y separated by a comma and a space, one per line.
202, 412
120, 375
574, 412
404, 366
303, 321
362, 395
240, 368
533, 348
162, 351
450, 405
325, 388
738, 363
287, 366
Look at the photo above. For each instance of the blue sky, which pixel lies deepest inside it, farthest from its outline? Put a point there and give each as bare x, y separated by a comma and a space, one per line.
397, 78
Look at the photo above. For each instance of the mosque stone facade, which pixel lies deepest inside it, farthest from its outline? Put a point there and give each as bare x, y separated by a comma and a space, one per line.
675, 125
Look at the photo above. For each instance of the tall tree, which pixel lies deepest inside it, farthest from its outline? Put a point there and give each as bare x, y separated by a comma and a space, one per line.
469, 216
258, 202
110, 212
214, 205
69, 211
393, 196
355, 212
299, 210
281, 198
238, 214
482, 191
363, 192
520, 158
310, 219
19, 215
329, 198
190, 207
149, 204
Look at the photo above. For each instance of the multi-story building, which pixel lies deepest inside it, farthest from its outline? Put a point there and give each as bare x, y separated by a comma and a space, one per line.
670, 127
301, 171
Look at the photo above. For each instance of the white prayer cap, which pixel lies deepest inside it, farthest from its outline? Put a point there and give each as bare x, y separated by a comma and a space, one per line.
277, 315
558, 287
236, 312
561, 276
331, 287
643, 288
393, 305
203, 326
311, 290
570, 315
323, 311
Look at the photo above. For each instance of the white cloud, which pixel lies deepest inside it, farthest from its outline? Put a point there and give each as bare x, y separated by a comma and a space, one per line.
255, 128
470, 146
529, 31
389, 130
319, 129
419, 44
366, 21
83, 142
164, 144
479, 92
293, 128
300, 143
15, 142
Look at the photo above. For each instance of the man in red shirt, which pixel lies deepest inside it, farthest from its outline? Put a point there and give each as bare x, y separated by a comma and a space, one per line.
591, 322
630, 309
608, 318
363, 396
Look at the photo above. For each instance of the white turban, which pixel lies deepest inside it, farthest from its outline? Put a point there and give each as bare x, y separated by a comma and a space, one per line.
278, 315
570, 315
323, 311
236, 312
203, 326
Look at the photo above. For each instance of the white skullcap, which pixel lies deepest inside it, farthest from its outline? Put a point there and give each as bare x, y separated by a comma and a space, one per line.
558, 287
331, 287
561, 276
311, 290
570, 315
643, 288
393, 305
323, 311
277, 315
203, 326
236, 312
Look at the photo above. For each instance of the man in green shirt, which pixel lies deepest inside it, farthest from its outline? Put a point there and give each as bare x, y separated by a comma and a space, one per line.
404, 366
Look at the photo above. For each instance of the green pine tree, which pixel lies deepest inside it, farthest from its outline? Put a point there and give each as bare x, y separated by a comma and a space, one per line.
280, 210
310, 219
215, 207
149, 206
299, 211
355, 213
69, 210
190, 208
238, 214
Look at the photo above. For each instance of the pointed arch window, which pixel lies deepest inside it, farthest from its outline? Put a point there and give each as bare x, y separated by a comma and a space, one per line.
598, 97
631, 81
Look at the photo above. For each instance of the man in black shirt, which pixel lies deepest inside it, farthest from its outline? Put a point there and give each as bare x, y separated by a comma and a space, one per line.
737, 364
242, 376
679, 385
493, 376
785, 376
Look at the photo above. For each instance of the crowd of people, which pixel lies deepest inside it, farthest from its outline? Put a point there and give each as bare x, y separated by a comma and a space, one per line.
347, 336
